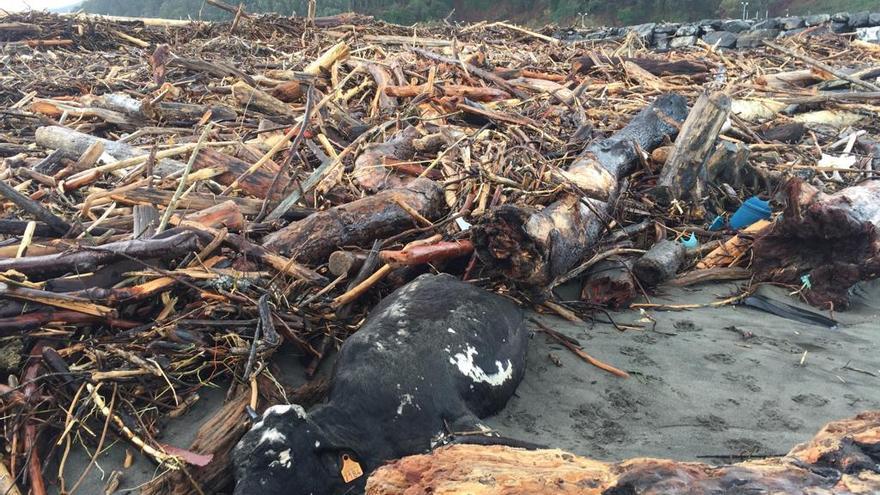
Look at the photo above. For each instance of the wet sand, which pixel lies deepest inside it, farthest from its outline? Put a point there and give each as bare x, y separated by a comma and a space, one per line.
712, 384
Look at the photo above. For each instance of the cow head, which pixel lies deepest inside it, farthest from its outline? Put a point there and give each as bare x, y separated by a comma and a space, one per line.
285, 452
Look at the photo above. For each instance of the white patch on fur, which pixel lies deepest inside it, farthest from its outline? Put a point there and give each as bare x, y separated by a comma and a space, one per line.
450, 331
467, 367
271, 435
281, 409
405, 400
403, 333
284, 460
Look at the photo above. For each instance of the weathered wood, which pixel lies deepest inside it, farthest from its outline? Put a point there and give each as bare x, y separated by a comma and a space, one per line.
146, 219
256, 184
36, 209
370, 169
250, 97
86, 259
841, 459
660, 263
75, 143
224, 215
830, 238
534, 247
358, 223
682, 177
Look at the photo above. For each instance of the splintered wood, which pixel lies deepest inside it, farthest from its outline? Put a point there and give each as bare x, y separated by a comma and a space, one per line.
840, 459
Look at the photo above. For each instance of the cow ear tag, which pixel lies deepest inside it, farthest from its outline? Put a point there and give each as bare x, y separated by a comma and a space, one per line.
351, 470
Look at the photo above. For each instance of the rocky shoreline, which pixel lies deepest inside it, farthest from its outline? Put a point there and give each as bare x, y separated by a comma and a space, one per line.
735, 33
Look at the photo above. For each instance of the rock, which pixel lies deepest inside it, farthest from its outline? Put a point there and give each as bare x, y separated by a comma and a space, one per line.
661, 41
711, 24
736, 25
667, 28
644, 31
722, 39
766, 24
688, 30
874, 19
859, 19
755, 38
869, 34
815, 20
793, 22
839, 27
683, 41
840, 17
793, 32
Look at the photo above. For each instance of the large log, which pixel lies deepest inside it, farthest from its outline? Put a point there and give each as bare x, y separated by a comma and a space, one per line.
841, 459
683, 175
831, 238
358, 223
535, 246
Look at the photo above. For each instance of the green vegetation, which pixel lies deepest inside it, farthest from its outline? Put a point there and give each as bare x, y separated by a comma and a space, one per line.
618, 12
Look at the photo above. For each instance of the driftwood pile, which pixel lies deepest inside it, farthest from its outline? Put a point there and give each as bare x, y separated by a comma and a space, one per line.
181, 199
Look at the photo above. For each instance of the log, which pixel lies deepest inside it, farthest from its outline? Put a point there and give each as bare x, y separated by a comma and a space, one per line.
534, 247
257, 99
609, 284
660, 263
585, 64
335, 53
346, 262
831, 238
256, 184
683, 175
74, 144
358, 223
86, 259
140, 111
840, 459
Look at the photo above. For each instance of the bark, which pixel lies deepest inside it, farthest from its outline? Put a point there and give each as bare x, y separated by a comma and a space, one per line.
660, 263
534, 247
840, 459
138, 111
683, 175
358, 223
75, 143
832, 238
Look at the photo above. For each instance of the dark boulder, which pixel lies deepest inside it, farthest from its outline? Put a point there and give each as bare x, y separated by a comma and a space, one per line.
721, 39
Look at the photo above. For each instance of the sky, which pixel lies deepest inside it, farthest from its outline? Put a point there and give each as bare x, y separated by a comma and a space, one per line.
16, 5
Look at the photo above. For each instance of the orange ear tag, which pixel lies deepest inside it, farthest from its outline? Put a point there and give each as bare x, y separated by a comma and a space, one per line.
351, 470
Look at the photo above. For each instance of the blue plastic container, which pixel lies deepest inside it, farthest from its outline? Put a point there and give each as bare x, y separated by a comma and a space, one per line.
751, 211
691, 242
717, 224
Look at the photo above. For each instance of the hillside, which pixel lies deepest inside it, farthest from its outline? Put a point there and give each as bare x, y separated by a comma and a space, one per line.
621, 12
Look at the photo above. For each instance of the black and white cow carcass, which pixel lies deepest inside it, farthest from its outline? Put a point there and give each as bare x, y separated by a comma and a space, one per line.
434, 357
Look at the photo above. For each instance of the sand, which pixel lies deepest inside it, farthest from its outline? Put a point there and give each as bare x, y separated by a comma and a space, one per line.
712, 384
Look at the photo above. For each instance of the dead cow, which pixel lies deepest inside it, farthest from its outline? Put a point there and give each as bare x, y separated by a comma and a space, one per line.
434, 357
